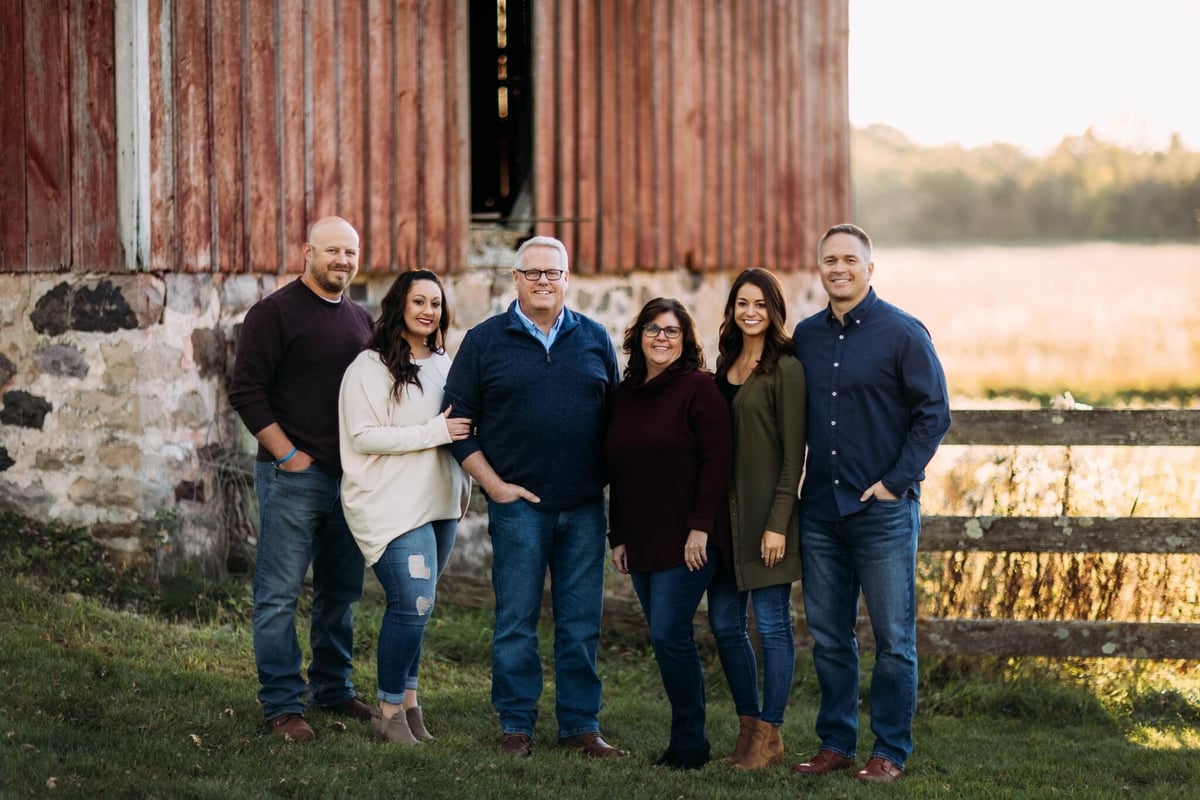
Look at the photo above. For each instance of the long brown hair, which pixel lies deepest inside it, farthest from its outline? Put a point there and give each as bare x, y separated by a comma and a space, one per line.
775, 343
387, 336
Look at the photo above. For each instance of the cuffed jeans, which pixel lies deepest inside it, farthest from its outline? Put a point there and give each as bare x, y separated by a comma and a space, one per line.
525, 542
301, 523
408, 571
873, 550
669, 599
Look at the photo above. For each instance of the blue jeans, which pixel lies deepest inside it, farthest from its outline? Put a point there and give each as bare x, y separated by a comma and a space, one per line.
525, 542
301, 523
669, 599
408, 571
874, 550
727, 608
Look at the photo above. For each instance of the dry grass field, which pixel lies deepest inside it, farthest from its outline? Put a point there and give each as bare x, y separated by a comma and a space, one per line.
1097, 319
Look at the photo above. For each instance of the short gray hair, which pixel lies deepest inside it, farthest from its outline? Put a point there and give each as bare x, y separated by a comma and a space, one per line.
540, 241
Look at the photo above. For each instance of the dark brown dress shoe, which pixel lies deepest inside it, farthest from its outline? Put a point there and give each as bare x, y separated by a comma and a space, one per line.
879, 770
353, 707
593, 746
292, 727
519, 745
823, 763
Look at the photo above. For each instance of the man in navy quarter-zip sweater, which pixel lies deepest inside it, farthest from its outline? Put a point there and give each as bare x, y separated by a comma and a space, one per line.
536, 380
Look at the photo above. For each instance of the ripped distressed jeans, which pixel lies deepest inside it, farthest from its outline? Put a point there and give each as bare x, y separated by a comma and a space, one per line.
408, 571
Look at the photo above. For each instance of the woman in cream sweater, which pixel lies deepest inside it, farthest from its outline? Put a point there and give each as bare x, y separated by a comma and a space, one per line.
403, 493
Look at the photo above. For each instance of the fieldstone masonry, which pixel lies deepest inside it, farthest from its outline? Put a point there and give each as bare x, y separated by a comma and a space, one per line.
7, 369
61, 360
103, 410
115, 414
23, 409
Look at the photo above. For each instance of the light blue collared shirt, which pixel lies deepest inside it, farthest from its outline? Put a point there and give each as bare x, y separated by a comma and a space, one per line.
547, 339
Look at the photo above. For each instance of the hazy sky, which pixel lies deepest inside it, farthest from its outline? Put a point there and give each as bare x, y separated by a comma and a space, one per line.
1027, 72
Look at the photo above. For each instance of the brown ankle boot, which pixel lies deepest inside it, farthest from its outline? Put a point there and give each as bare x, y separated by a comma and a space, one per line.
416, 724
392, 729
766, 747
745, 734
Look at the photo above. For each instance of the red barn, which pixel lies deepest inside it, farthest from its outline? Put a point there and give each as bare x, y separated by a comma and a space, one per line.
163, 161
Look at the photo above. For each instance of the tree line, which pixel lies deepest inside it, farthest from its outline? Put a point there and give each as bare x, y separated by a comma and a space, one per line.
1086, 189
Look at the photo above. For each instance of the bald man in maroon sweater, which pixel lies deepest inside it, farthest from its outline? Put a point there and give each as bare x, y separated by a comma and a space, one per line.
294, 346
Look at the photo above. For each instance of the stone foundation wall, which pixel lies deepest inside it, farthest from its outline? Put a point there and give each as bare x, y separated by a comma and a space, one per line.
114, 414
113, 407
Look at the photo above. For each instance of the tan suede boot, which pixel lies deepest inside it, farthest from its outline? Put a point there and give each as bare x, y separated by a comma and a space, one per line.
416, 724
745, 734
766, 747
392, 729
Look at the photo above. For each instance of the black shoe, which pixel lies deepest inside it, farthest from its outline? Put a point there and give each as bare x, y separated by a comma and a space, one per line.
689, 758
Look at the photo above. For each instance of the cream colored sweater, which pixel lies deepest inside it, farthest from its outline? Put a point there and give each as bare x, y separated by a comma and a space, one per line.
396, 476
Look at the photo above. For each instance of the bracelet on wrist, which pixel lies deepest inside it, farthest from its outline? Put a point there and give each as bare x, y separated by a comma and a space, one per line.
280, 461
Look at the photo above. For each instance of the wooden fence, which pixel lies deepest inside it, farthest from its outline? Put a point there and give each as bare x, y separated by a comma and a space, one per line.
1053, 638
1162, 535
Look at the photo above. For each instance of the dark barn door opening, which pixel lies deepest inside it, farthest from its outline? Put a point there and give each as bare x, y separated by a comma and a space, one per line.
500, 109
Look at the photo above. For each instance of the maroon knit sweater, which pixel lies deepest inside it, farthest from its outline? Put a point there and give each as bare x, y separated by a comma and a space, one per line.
292, 352
669, 448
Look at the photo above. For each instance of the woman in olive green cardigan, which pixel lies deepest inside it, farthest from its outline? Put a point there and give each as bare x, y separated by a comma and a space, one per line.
764, 384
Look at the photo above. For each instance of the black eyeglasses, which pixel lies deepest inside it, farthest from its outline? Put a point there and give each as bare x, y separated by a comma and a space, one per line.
671, 331
535, 275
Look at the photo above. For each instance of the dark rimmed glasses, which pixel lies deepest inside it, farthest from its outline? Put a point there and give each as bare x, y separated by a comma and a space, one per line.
535, 275
652, 331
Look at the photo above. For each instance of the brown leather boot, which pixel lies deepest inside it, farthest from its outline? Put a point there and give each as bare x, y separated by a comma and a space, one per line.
745, 734
766, 747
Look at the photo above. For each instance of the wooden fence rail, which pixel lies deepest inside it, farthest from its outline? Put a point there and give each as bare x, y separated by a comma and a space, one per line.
1160, 535
1003, 637
1107, 427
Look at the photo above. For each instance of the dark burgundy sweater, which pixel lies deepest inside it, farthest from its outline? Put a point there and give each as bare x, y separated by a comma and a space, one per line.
292, 352
669, 448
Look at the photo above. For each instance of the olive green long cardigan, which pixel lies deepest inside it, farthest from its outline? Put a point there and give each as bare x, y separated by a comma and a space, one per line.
770, 425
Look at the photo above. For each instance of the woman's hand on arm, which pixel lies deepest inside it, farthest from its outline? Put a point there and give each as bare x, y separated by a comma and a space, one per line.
459, 427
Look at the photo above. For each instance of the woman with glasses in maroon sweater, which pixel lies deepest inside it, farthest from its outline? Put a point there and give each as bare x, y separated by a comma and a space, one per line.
668, 450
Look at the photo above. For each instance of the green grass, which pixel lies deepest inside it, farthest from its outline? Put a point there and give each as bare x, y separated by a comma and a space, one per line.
103, 703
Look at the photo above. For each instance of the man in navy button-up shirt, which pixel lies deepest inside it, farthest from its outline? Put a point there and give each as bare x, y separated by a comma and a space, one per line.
877, 410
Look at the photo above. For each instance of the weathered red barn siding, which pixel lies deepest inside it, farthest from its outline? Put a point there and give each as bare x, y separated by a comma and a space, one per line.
273, 114
264, 116
668, 134
58, 161
677, 134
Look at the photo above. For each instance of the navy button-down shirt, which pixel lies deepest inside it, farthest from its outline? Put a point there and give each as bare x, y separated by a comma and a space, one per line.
877, 405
